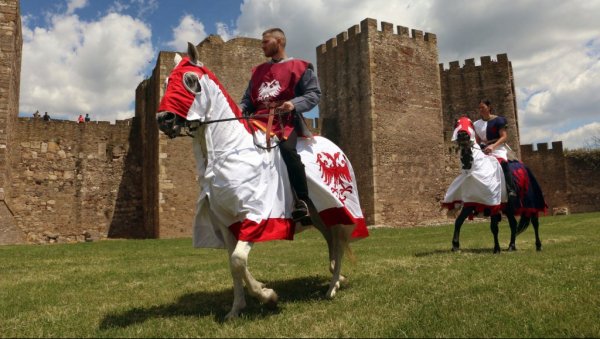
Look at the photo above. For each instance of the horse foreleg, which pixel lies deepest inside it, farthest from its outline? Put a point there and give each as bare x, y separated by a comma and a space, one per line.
340, 241
536, 227
494, 220
464, 213
238, 256
512, 222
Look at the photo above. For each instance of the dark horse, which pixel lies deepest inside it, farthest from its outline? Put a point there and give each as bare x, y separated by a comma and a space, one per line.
527, 204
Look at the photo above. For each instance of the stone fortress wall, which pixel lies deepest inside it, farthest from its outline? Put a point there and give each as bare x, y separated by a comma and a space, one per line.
11, 42
380, 88
75, 181
386, 101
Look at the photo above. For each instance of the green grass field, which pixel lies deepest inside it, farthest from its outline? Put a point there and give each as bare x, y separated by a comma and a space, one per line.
404, 283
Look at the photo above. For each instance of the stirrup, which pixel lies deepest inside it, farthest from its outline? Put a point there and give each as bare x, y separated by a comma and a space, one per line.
300, 210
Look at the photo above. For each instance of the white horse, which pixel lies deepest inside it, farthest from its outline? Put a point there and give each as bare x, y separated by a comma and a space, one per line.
245, 195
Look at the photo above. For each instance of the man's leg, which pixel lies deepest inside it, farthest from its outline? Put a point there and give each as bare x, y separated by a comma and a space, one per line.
296, 173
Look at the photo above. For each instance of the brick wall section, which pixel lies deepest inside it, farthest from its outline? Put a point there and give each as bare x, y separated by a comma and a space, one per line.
11, 42
463, 88
175, 180
345, 110
381, 111
70, 178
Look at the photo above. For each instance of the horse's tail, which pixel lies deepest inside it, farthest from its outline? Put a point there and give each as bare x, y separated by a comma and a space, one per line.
524, 222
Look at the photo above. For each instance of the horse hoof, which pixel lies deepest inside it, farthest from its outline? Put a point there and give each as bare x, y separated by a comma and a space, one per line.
270, 298
538, 248
233, 314
512, 248
333, 290
455, 246
496, 250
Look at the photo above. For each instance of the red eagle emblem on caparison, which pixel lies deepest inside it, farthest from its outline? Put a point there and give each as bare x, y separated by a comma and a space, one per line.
336, 173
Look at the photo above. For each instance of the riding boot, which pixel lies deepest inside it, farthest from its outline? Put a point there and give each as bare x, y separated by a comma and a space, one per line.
297, 176
510, 183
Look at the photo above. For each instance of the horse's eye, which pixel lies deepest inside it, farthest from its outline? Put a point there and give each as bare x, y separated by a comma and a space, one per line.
191, 81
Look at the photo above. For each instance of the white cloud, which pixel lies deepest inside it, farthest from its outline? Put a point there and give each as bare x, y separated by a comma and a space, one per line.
188, 30
575, 138
74, 67
225, 32
74, 5
581, 136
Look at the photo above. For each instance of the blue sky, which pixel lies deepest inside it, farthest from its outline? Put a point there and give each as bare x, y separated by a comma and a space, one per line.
83, 56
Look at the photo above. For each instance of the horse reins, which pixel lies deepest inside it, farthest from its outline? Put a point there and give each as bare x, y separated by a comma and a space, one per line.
195, 124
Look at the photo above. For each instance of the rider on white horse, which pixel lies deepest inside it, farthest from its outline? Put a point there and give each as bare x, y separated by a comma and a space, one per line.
283, 85
244, 197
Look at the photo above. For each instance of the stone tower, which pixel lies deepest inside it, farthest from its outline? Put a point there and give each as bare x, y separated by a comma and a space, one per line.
381, 104
463, 88
11, 43
169, 163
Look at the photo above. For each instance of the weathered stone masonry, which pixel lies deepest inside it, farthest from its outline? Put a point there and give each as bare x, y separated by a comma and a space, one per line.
386, 101
71, 181
11, 42
380, 89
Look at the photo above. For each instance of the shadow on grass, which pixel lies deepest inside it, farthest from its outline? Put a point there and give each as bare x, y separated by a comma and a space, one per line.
217, 304
462, 250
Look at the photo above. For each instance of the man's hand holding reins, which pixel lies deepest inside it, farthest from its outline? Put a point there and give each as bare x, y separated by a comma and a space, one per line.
286, 106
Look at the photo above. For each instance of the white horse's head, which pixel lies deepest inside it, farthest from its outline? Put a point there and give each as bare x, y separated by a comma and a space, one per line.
187, 95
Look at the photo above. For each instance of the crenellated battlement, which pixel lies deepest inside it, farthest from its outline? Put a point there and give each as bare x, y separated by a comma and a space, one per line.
485, 61
543, 149
370, 26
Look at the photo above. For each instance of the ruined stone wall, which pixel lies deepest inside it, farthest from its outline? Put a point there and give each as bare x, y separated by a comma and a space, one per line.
463, 88
11, 42
71, 181
549, 168
583, 184
382, 106
566, 181
175, 179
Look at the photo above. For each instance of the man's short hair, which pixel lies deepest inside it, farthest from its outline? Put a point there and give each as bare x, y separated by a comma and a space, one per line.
278, 32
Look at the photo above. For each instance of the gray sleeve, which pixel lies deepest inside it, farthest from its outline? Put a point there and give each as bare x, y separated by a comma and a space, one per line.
308, 92
246, 103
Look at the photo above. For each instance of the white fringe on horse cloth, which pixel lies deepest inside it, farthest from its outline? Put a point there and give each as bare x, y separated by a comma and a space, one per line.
254, 194
482, 186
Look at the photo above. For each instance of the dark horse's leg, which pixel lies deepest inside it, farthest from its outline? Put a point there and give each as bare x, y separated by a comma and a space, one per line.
512, 222
536, 226
464, 213
494, 220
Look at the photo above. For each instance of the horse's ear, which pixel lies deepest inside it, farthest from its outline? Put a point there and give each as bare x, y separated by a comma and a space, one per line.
177, 59
193, 54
